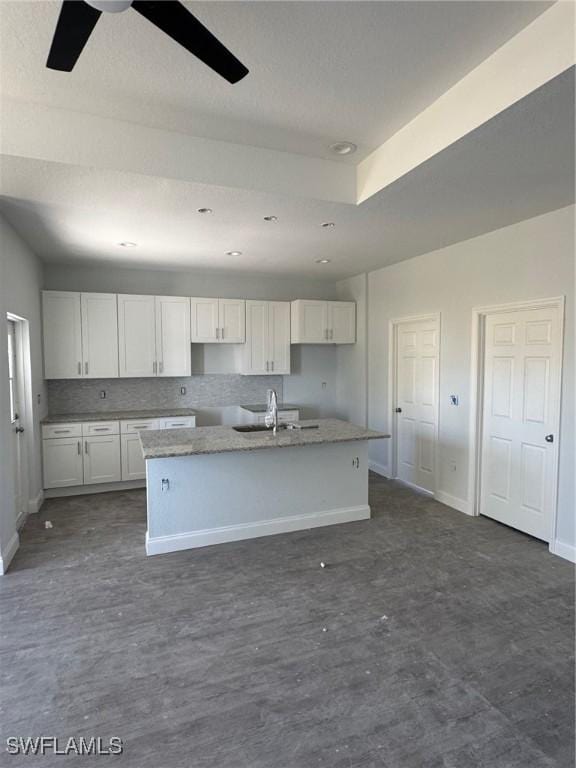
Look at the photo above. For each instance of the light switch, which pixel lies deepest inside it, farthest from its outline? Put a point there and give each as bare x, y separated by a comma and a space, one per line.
454, 400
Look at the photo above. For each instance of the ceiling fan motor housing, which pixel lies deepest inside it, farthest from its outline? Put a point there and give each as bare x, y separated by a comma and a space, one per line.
110, 6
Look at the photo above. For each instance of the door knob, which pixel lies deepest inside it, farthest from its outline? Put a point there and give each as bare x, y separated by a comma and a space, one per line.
18, 430
549, 438
397, 410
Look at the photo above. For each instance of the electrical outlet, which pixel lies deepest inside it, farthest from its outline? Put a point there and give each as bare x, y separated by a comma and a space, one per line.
324, 385
102, 394
182, 390
452, 465
39, 398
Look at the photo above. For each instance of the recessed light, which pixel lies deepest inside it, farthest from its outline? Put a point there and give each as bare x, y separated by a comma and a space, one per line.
233, 253
322, 261
270, 218
205, 210
343, 148
128, 244
328, 224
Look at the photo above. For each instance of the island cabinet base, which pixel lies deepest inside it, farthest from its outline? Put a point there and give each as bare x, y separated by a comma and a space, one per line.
195, 501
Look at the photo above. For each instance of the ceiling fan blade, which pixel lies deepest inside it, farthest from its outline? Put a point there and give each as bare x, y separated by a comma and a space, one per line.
176, 21
76, 21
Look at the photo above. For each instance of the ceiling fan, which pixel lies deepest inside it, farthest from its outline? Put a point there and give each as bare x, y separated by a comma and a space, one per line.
78, 18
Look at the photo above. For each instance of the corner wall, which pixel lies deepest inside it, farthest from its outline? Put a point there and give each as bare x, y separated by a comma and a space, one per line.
20, 286
532, 259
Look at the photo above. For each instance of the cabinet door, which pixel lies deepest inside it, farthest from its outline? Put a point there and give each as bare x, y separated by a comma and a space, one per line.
256, 359
232, 320
204, 321
279, 335
309, 322
133, 463
99, 335
173, 335
62, 459
136, 335
62, 335
101, 459
342, 322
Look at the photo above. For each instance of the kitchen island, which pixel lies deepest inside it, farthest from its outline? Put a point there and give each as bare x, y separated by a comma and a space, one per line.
214, 484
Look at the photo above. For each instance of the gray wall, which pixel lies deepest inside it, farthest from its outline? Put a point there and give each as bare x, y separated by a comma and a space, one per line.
20, 286
352, 359
532, 259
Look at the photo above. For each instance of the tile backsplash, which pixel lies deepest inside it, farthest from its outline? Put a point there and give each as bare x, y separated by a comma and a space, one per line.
204, 391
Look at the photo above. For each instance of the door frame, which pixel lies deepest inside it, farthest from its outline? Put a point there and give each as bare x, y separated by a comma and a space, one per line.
25, 395
479, 315
393, 324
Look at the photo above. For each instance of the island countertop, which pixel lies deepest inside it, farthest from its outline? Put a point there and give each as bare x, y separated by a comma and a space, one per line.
170, 443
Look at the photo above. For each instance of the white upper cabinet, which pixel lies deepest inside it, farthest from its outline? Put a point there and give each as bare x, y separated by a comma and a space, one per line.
323, 322
232, 320
173, 335
204, 320
342, 322
62, 335
279, 334
218, 320
267, 348
137, 335
99, 335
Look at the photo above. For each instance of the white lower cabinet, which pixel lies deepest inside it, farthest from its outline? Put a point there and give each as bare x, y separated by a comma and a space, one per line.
99, 451
63, 462
101, 459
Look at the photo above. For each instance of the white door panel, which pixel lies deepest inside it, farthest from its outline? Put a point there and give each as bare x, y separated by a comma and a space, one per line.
342, 322
279, 334
62, 461
173, 335
416, 387
256, 359
99, 335
101, 459
520, 408
133, 463
232, 320
137, 335
62, 335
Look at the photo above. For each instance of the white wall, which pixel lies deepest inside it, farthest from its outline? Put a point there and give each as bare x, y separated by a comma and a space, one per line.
351, 359
532, 259
20, 286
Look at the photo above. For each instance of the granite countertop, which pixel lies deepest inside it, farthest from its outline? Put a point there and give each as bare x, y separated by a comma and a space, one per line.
153, 413
261, 407
169, 443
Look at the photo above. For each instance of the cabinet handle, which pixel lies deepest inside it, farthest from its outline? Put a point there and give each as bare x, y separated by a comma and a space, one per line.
161, 367
85, 446
79, 448
267, 365
217, 333
61, 431
100, 429
86, 369
331, 334
222, 333
79, 369
272, 365
154, 368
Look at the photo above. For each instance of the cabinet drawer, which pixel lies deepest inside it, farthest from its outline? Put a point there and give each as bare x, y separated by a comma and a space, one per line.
137, 425
182, 423
101, 428
61, 430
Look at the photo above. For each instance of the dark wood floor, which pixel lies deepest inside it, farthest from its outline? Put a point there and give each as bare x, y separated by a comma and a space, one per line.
431, 640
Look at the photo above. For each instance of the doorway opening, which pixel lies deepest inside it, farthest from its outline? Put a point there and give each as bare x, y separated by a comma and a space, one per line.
20, 389
515, 414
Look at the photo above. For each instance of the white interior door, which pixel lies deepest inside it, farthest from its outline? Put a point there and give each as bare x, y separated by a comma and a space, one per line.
522, 369
416, 410
279, 336
99, 335
137, 335
204, 320
173, 335
232, 320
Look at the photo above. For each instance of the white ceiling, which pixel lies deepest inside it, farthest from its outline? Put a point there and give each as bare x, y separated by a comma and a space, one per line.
516, 166
319, 71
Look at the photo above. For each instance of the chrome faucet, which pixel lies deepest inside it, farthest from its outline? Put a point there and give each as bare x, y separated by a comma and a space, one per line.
271, 418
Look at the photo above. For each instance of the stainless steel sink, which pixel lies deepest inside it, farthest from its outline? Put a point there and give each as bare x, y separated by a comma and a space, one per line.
256, 428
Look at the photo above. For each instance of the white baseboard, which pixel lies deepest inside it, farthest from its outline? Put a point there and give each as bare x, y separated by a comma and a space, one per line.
83, 490
35, 504
380, 469
8, 553
453, 501
567, 551
162, 544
